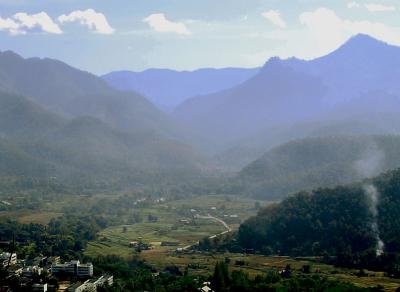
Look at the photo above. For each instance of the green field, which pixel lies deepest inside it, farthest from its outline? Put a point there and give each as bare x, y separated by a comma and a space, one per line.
176, 222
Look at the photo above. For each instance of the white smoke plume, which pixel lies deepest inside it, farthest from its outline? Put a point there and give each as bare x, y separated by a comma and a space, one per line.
373, 201
369, 165
371, 161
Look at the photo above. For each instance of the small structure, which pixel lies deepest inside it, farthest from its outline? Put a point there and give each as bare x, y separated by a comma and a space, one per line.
39, 287
169, 243
206, 287
87, 286
31, 271
105, 280
7, 258
134, 244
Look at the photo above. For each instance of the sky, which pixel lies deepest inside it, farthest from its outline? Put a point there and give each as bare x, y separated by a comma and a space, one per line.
106, 35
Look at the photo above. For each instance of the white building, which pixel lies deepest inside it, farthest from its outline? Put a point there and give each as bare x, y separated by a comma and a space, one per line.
82, 287
74, 268
105, 280
7, 258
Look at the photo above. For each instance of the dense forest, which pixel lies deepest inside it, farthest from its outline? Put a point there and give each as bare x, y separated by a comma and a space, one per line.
344, 222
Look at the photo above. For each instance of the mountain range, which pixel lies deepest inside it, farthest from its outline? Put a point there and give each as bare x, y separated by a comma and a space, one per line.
167, 88
356, 79
58, 121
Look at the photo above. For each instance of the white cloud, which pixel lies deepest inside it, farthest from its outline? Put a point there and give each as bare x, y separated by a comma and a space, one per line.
379, 7
40, 20
353, 4
95, 21
8, 24
328, 31
22, 23
160, 23
372, 7
274, 16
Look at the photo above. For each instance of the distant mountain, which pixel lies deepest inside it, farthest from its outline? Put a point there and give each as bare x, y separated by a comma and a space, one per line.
168, 88
252, 147
37, 143
358, 78
70, 92
317, 162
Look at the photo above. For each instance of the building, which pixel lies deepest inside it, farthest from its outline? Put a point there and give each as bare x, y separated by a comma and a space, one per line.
87, 286
84, 270
7, 258
53, 260
31, 271
39, 287
105, 280
206, 287
75, 268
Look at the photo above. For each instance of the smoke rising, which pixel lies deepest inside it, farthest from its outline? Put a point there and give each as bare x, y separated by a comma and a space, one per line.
373, 201
369, 165
371, 161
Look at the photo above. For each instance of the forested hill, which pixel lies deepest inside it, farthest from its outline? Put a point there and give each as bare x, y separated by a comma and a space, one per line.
317, 162
336, 221
65, 90
84, 150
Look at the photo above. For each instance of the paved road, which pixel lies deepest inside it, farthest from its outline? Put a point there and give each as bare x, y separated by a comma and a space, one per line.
228, 229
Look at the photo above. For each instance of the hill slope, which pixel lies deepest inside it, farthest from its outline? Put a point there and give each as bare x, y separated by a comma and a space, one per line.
358, 78
337, 222
168, 88
70, 92
37, 143
315, 162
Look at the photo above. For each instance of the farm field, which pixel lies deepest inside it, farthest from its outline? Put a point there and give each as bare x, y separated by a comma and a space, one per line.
176, 222
203, 263
181, 222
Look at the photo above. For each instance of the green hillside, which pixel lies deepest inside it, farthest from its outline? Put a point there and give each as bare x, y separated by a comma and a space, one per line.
37, 143
337, 222
315, 162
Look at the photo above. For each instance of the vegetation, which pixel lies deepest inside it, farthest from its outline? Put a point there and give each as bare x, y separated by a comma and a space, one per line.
317, 162
332, 222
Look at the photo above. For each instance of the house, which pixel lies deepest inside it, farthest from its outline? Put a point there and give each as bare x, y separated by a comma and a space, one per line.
206, 287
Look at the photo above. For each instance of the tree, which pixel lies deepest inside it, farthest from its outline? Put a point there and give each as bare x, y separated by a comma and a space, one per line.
220, 279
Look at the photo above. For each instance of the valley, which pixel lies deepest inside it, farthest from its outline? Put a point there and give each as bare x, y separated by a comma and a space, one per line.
278, 176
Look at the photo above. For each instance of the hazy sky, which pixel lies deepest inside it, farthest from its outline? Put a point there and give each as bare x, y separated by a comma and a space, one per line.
105, 35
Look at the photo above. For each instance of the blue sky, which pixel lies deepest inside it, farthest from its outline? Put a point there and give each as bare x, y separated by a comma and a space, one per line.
105, 35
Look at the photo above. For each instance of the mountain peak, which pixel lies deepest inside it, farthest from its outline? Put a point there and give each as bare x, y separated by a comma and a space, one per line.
364, 39
364, 42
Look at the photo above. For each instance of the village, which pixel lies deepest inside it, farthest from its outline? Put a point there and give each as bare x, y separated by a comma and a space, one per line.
46, 274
